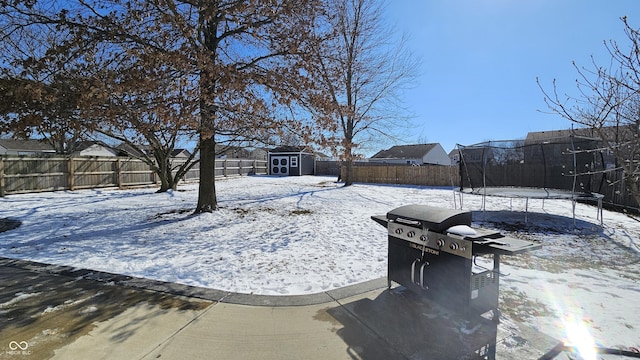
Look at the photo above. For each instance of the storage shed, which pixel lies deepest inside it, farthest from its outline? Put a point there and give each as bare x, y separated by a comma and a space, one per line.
291, 160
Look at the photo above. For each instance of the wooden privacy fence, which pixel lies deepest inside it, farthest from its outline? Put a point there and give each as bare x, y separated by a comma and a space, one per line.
24, 174
427, 175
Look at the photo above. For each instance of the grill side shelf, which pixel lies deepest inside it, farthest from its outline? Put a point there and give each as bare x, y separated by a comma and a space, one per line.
505, 246
380, 219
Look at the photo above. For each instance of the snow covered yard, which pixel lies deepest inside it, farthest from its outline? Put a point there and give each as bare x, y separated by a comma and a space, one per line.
303, 235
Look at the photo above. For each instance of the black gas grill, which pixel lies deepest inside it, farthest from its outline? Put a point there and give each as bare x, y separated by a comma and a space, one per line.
433, 252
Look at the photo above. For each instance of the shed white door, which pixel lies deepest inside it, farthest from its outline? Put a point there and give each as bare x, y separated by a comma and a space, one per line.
279, 165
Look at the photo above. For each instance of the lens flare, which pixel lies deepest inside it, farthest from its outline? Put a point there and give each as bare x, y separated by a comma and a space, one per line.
578, 336
574, 326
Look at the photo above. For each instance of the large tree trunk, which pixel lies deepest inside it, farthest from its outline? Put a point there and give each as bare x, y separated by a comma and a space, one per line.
163, 170
348, 145
162, 174
207, 201
348, 167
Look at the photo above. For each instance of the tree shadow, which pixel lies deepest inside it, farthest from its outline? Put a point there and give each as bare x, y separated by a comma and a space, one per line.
7, 224
49, 310
518, 221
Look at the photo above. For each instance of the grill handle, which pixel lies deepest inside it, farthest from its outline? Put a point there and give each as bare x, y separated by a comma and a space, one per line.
422, 284
413, 273
408, 222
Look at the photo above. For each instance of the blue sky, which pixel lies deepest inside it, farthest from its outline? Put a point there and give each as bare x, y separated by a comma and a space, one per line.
480, 60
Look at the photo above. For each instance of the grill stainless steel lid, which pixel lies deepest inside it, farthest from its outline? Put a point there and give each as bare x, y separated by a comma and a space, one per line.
433, 218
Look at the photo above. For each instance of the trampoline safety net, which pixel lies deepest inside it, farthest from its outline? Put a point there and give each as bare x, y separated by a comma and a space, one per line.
569, 163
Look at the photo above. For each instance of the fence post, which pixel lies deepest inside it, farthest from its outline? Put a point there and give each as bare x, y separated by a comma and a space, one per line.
72, 180
224, 165
2, 184
155, 176
118, 173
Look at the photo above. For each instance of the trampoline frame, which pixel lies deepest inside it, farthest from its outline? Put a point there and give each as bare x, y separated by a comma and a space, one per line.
512, 192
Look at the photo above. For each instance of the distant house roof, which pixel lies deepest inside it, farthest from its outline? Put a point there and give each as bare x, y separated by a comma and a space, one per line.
131, 151
291, 149
181, 153
26, 146
83, 145
557, 135
610, 132
94, 148
405, 151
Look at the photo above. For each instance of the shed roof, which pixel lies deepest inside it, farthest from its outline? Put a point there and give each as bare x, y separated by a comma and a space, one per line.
405, 151
291, 149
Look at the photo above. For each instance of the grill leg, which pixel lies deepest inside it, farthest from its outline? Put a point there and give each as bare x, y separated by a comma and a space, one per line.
496, 269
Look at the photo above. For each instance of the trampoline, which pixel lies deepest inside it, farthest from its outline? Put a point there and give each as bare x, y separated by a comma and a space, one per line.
533, 193
565, 168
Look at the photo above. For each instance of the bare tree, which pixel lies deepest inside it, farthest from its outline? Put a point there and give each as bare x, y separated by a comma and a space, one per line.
38, 98
238, 59
65, 83
359, 73
609, 103
146, 106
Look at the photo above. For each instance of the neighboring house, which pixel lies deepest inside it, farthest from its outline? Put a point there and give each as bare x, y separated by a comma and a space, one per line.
238, 152
563, 143
259, 154
552, 136
232, 152
25, 147
94, 148
180, 154
413, 155
479, 153
323, 157
291, 160
454, 156
128, 150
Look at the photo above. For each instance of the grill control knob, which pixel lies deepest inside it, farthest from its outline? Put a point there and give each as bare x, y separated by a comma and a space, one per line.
440, 242
453, 246
411, 234
423, 238
399, 231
